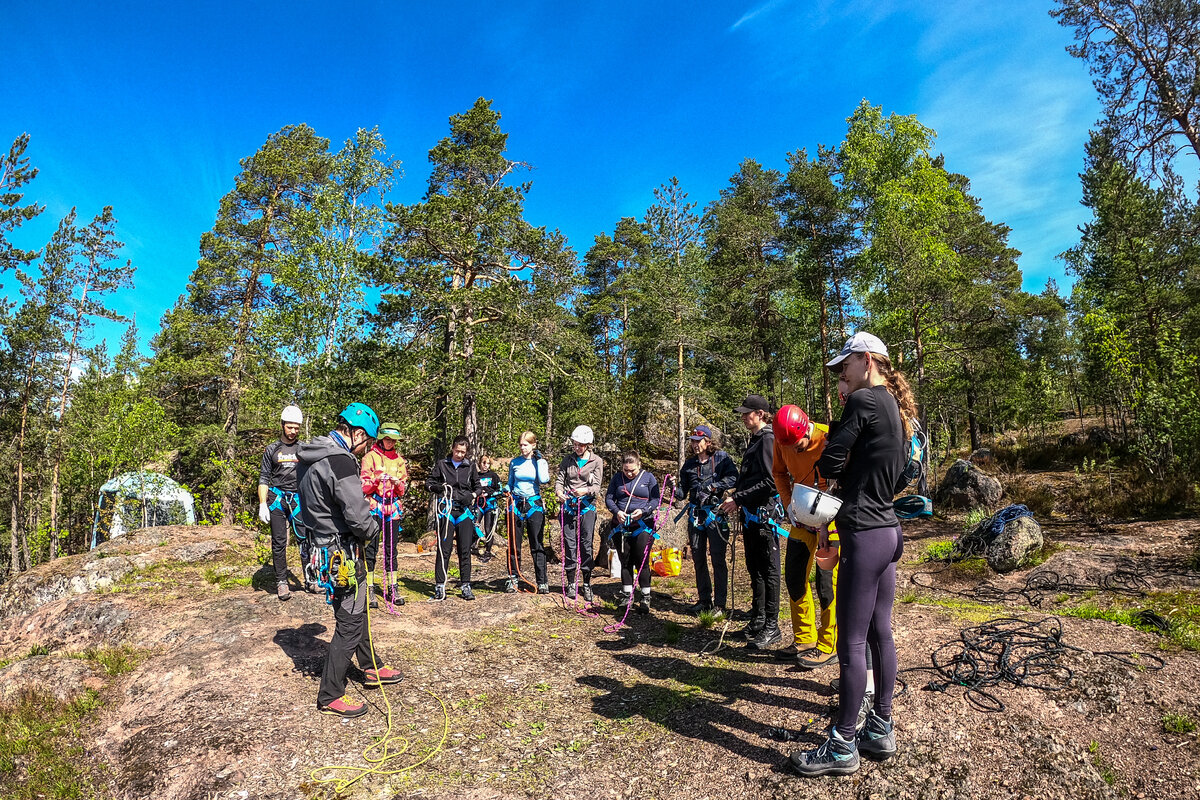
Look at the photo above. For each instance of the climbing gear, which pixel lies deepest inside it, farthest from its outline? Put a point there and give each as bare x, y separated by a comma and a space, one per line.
811, 507
835, 757
770, 516
292, 414
358, 415
877, 738
283, 591
344, 707
526, 507
384, 676
582, 434
288, 503
912, 506
791, 425
914, 466
667, 562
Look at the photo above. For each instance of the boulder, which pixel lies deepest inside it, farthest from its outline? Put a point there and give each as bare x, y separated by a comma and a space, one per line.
967, 486
1020, 539
981, 456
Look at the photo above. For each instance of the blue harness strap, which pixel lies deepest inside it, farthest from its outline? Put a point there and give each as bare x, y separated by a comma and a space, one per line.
533, 505
287, 502
578, 506
635, 528
701, 516
768, 516
387, 510
446, 511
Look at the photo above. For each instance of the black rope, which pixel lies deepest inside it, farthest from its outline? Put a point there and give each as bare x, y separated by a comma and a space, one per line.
1011, 653
1128, 578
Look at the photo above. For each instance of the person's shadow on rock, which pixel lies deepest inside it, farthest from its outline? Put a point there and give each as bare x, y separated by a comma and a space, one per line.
302, 646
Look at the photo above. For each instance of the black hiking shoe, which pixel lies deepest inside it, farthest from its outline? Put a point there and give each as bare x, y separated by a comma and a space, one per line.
766, 639
586, 591
510, 586
466, 592
439, 592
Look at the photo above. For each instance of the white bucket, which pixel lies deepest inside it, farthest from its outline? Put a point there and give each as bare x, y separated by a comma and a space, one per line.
812, 507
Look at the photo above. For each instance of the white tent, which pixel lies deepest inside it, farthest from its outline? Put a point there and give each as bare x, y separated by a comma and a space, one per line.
140, 500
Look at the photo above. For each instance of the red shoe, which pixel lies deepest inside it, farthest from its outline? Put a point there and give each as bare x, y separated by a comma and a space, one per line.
386, 676
343, 707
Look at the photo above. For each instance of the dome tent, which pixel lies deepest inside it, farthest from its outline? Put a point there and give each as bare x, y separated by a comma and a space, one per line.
140, 500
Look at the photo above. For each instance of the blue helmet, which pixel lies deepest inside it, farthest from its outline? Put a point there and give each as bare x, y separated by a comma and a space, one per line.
358, 415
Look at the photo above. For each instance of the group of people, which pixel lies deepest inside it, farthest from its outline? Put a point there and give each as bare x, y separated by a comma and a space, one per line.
344, 508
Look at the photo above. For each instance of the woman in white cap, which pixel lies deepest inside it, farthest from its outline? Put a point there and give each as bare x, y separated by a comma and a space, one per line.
577, 486
865, 454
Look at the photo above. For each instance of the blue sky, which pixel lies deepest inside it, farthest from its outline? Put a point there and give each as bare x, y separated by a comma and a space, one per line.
148, 106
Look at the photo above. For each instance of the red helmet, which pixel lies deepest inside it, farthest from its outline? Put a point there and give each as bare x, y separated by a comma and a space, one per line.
791, 425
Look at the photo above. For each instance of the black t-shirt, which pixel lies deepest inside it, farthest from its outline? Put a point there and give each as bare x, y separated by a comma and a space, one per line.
866, 454
279, 466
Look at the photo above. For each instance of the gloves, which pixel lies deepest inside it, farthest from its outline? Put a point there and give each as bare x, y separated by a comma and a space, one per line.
264, 514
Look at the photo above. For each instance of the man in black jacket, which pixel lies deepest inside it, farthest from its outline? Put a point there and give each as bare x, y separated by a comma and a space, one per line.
453, 485
278, 505
339, 523
753, 492
703, 479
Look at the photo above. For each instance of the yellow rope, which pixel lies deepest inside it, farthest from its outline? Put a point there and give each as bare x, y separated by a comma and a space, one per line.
342, 777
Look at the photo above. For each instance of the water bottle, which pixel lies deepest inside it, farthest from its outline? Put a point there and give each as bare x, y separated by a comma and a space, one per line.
614, 563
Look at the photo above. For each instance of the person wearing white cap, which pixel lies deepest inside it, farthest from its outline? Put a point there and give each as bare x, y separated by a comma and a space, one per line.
865, 454
577, 486
277, 478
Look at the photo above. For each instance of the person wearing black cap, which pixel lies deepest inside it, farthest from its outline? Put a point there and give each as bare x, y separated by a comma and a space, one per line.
703, 479
755, 489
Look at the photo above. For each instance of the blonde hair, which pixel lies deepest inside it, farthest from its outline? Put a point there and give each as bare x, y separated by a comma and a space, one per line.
528, 436
898, 387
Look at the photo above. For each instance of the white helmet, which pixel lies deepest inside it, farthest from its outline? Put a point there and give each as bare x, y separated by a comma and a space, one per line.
583, 434
292, 414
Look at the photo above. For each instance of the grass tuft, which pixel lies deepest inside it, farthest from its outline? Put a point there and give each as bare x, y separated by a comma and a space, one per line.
40, 755
1178, 723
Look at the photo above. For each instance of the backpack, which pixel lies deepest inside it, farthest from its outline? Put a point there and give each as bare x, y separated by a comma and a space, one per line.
914, 465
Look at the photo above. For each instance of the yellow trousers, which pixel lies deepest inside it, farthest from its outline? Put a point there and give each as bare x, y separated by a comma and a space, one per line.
807, 629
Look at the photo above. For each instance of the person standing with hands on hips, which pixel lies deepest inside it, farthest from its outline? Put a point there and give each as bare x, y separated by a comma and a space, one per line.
866, 455
278, 505
754, 490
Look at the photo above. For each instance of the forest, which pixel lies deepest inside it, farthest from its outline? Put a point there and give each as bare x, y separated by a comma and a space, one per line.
455, 314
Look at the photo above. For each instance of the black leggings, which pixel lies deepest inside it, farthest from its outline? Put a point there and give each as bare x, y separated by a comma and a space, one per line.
447, 532
534, 523
635, 554
866, 591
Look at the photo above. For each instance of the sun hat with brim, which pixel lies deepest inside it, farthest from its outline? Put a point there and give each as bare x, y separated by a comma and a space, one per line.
389, 431
859, 343
753, 402
701, 432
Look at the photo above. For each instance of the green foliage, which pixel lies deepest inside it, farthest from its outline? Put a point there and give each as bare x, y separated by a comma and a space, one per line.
40, 747
1176, 722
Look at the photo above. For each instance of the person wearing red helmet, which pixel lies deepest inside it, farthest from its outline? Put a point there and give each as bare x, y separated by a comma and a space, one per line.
798, 444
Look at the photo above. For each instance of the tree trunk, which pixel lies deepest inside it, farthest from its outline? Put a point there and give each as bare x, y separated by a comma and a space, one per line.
681, 429
62, 410
824, 330
550, 413
972, 420
470, 396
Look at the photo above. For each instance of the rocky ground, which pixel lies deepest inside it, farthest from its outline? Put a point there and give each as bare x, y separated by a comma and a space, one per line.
524, 696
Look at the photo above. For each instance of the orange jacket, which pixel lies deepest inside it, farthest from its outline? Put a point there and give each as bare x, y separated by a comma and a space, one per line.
379, 462
789, 467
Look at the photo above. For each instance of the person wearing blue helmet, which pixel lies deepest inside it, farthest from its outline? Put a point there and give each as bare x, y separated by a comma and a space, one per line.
340, 524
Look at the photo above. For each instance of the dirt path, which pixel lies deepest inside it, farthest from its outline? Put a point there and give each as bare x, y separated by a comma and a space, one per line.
540, 702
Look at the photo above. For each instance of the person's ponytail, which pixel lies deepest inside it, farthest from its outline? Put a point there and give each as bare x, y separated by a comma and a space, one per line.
898, 387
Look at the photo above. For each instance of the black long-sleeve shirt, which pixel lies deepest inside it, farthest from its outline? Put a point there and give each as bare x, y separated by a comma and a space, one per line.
755, 484
463, 481
701, 480
866, 454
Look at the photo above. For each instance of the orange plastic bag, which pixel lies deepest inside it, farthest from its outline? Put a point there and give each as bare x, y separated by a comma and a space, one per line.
666, 562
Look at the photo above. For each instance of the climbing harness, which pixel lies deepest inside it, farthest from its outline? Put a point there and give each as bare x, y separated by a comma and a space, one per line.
447, 521
770, 516
532, 505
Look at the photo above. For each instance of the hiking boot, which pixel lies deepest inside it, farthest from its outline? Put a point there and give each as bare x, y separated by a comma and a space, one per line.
624, 599
586, 591
571, 593
767, 638
643, 606
439, 592
283, 591
385, 676
543, 588
312, 587
510, 586
816, 658
791, 651
877, 739
374, 603
343, 707
695, 608
835, 757
466, 592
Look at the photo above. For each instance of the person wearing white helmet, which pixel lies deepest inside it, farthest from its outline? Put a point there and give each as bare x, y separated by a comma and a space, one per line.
278, 505
577, 486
